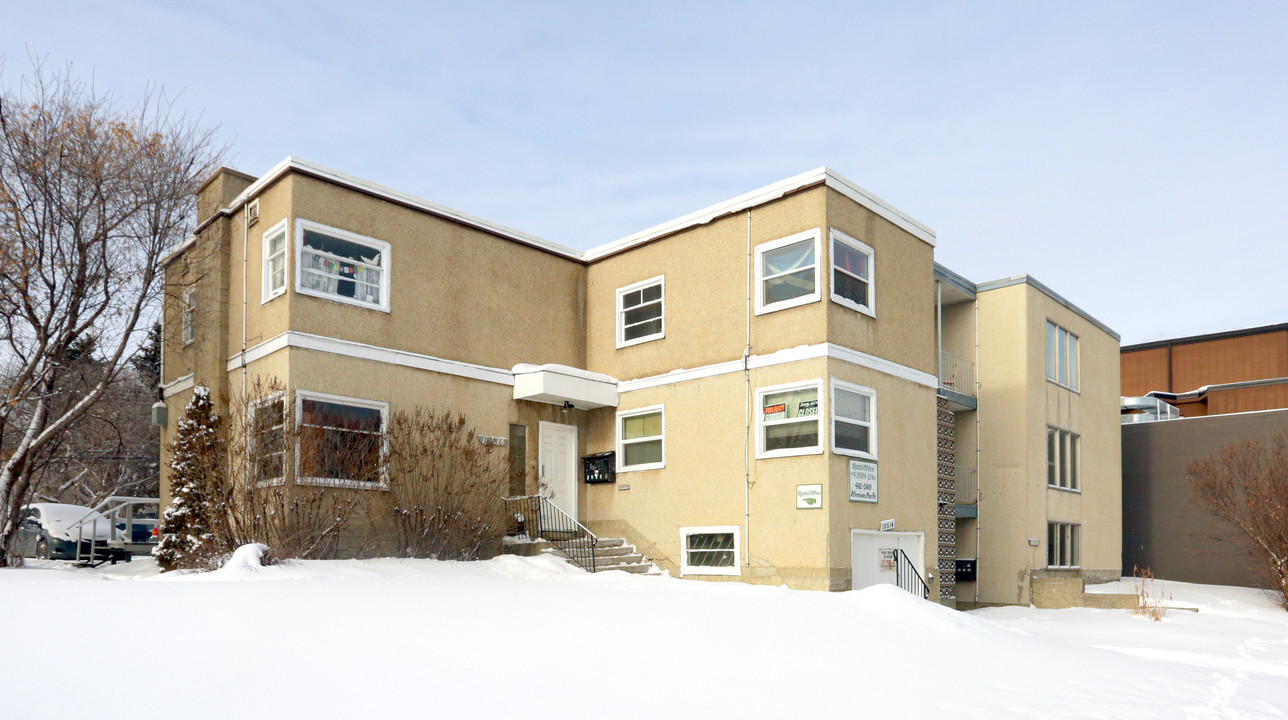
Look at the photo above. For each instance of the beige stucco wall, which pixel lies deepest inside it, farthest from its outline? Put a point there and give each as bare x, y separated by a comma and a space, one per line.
706, 293
1016, 405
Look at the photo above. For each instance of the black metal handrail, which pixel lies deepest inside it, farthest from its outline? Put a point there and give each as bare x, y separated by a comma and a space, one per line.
907, 577
540, 519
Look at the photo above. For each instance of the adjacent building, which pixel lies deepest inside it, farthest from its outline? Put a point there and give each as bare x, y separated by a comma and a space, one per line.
782, 388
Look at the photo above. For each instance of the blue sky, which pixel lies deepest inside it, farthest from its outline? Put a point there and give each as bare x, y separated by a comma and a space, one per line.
1130, 155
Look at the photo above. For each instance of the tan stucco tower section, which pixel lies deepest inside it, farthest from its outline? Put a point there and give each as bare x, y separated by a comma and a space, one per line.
1017, 404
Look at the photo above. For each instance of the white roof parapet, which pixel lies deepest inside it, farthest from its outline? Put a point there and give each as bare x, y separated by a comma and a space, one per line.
560, 385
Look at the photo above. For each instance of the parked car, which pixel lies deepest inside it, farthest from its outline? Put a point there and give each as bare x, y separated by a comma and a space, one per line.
51, 531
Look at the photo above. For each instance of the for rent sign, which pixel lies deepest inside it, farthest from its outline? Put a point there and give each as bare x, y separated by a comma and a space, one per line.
863, 481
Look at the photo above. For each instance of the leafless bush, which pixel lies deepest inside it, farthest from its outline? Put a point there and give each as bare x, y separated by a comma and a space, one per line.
1246, 485
446, 486
1150, 602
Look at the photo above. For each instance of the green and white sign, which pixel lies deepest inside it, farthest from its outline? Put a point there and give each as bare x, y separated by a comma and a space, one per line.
809, 497
863, 481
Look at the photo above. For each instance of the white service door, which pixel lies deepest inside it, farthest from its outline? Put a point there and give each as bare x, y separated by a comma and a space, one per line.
557, 460
871, 559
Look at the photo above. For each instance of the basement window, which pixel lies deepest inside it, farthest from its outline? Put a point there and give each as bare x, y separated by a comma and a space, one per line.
787, 272
709, 551
640, 310
341, 441
852, 272
787, 417
342, 266
1064, 545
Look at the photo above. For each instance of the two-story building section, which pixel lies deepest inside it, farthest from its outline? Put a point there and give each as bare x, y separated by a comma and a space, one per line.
792, 392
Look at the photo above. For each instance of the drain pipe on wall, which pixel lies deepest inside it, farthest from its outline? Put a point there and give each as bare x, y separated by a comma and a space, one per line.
978, 467
746, 438
245, 267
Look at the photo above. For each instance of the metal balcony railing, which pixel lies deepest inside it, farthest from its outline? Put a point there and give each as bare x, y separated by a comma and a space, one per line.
967, 485
956, 374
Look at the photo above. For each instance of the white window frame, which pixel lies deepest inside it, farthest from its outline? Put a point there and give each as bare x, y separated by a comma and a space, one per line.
1067, 462
383, 407
687, 569
761, 307
761, 453
1068, 537
622, 442
188, 316
302, 225
858, 245
621, 312
1065, 338
871, 424
253, 452
266, 291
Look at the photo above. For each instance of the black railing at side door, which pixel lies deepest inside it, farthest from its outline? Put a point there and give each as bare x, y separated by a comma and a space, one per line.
907, 577
541, 519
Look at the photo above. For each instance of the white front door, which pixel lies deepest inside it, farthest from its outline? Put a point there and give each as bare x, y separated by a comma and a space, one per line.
557, 465
872, 559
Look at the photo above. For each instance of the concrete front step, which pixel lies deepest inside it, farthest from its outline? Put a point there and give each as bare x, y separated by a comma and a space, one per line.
610, 554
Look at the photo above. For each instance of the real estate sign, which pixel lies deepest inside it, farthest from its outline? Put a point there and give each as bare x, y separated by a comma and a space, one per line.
863, 481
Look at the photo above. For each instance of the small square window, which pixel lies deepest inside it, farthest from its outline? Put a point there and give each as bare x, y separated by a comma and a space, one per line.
641, 311
709, 551
852, 273
787, 272
640, 439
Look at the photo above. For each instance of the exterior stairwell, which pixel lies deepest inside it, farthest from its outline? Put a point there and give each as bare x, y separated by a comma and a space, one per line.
609, 554
558, 534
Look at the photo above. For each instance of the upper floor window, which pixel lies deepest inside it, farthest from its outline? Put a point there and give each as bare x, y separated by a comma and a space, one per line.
1062, 356
274, 262
852, 273
342, 266
640, 312
1064, 451
788, 420
854, 420
787, 272
641, 439
189, 315
340, 440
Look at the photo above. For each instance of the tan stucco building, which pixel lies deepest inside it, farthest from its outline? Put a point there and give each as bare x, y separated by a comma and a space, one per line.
792, 391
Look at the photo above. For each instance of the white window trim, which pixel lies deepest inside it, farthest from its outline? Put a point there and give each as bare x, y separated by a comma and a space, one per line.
855, 244
277, 397
621, 312
383, 407
1071, 368
621, 443
301, 225
687, 569
872, 423
761, 307
761, 453
267, 293
188, 316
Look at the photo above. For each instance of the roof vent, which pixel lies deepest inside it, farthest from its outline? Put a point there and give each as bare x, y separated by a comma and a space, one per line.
252, 212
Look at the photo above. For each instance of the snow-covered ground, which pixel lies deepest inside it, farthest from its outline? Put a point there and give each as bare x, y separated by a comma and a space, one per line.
533, 638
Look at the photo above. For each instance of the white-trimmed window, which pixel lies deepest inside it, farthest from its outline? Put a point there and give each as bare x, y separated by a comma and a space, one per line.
787, 272
641, 439
1064, 459
641, 312
267, 439
340, 440
342, 266
788, 420
854, 420
1064, 545
1062, 356
853, 270
275, 247
188, 331
709, 550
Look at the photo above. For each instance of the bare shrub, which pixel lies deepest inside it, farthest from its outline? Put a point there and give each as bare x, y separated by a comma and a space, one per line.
446, 486
1150, 602
1246, 484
